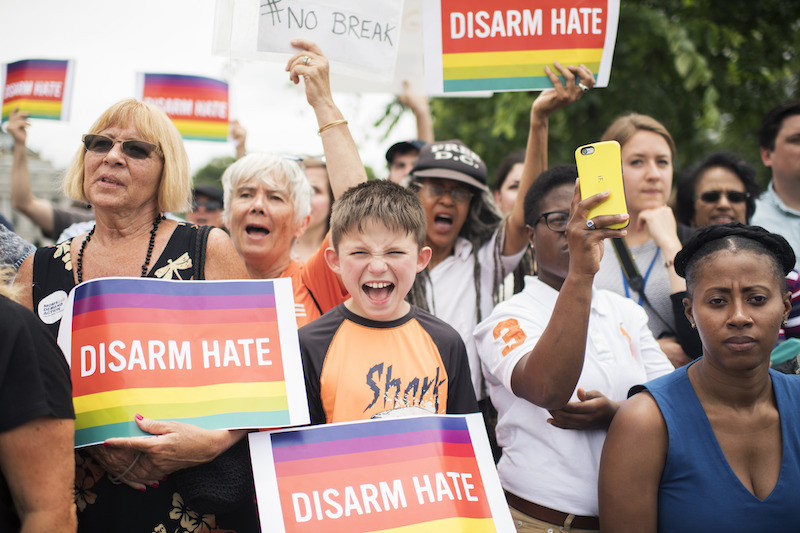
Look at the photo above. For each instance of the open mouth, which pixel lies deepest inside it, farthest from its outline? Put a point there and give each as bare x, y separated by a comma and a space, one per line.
256, 231
378, 290
110, 181
443, 223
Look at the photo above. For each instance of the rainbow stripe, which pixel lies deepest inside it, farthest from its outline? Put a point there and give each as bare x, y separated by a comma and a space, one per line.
509, 71
198, 106
200, 359
400, 452
40, 87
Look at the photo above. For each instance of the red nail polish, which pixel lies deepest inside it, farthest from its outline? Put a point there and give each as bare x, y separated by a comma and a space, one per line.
139, 417
142, 489
164, 478
105, 444
154, 485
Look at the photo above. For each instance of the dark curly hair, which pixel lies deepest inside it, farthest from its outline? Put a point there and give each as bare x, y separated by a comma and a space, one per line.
734, 237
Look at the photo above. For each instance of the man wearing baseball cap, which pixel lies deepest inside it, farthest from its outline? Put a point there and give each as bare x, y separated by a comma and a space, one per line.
401, 157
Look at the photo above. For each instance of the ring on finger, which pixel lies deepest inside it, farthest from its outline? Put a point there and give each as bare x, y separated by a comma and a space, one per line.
590, 224
583, 87
307, 61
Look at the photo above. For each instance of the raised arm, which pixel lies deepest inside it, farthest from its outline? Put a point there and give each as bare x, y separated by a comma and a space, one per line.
545, 104
418, 104
547, 375
633, 459
344, 165
39, 210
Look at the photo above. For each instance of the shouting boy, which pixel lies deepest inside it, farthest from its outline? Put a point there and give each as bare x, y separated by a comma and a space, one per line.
376, 352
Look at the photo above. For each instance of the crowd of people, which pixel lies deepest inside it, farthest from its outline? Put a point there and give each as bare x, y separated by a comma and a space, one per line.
625, 375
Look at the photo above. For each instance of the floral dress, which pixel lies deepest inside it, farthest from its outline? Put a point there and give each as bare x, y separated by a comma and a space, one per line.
102, 505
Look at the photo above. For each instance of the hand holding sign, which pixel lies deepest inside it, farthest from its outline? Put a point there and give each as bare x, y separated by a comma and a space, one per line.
17, 126
313, 66
563, 94
175, 446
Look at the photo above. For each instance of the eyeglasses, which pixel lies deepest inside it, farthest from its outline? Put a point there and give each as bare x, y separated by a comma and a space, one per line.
135, 149
211, 205
734, 197
434, 192
555, 220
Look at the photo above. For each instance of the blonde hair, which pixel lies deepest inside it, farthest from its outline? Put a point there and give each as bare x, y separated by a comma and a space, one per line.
273, 171
626, 126
153, 125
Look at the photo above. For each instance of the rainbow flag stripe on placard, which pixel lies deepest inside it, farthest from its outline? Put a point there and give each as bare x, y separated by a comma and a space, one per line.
198, 106
401, 452
178, 372
40, 87
520, 70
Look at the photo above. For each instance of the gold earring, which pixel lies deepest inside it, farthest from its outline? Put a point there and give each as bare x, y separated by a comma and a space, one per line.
694, 326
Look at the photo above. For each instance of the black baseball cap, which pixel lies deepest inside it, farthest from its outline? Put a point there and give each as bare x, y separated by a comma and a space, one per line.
451, 160
403, 146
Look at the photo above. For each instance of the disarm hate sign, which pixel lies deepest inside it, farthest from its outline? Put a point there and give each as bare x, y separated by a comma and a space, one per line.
504, 46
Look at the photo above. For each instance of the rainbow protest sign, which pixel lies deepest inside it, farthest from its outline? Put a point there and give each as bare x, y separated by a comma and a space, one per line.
216, 354
404, 475
40, 87
198, 106
470, 47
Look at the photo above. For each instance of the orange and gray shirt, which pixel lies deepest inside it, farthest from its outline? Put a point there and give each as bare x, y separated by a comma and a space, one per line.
356, 368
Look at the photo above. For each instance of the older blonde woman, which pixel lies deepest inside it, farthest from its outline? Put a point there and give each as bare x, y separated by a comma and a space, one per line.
132, 167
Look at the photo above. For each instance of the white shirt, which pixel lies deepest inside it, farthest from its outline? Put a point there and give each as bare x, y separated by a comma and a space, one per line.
554, 467
451, 294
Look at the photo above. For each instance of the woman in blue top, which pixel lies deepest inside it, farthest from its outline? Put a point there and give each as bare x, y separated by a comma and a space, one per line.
714, 446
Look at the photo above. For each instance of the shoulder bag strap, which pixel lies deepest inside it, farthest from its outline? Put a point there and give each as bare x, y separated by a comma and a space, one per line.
199, 260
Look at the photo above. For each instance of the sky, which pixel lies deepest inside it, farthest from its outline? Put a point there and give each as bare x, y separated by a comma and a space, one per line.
112, 40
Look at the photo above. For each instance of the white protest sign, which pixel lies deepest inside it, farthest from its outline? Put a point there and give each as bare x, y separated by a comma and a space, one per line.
364, 35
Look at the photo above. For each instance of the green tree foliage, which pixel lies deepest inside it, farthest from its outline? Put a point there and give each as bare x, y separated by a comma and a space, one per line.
707, 69
211, 173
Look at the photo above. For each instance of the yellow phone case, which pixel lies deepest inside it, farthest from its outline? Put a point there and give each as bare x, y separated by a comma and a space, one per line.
600, 169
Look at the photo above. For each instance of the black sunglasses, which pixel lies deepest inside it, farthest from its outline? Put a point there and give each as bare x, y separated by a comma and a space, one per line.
211, 205
734, 197
136, 149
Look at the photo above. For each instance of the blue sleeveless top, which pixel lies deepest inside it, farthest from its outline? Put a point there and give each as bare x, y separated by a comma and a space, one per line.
699, 491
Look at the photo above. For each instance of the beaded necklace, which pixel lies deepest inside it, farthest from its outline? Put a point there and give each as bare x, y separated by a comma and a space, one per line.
150, 246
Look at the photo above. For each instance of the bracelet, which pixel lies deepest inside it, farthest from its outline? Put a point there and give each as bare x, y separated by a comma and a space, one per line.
331, 125
116, 480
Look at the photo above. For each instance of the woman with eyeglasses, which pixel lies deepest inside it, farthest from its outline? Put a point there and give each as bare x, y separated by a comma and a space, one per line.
267, 197
132, 168
721, 188
560, 357
653, 238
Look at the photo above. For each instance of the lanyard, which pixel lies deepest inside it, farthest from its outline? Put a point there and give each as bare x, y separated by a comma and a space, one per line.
644, 280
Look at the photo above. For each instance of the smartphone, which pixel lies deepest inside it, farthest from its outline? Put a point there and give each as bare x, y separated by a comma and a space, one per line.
600, 169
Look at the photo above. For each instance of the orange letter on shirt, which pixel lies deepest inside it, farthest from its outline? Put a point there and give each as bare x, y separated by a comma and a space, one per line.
511, 332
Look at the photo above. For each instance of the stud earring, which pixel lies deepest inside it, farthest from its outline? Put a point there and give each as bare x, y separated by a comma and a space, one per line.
694, 326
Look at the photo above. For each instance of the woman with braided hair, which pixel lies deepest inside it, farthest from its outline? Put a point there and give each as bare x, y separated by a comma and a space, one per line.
714, 446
